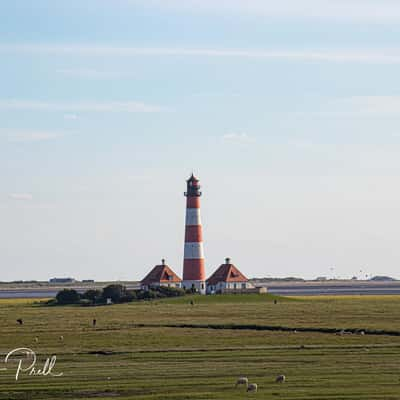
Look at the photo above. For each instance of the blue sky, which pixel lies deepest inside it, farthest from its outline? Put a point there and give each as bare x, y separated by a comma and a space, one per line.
288, 113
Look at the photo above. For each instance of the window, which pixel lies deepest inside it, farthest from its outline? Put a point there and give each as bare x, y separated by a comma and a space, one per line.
243, 286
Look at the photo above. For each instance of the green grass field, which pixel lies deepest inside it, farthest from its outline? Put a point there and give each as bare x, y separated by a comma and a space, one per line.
133, 354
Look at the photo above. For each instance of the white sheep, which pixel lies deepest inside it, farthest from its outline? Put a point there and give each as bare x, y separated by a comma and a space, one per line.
61, 337
36, 339
252, 387
242, 381
280, 379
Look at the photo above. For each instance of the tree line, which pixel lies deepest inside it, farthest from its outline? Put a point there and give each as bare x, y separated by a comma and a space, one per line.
114, 293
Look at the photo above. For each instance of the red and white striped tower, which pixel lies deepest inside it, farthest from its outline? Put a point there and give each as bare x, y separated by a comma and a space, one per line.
194, 275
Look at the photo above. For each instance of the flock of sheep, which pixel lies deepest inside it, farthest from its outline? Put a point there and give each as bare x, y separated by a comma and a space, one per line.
36, 339
21, 322
252, 387
243, 380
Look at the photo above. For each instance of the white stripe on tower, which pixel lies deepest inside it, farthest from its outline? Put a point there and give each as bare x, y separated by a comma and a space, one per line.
194, 250
193, 216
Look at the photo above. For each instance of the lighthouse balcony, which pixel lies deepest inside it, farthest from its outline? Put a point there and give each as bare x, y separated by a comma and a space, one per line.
192, 194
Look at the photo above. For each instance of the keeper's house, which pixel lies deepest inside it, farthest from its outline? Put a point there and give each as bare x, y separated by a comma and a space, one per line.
228, 279
161, 275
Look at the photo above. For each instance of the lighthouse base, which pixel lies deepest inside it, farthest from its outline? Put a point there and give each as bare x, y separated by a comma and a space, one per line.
198, 286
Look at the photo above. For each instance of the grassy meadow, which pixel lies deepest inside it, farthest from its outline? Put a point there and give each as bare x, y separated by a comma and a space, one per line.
134, 353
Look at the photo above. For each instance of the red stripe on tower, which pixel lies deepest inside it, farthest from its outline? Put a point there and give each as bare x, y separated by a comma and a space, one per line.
194, 275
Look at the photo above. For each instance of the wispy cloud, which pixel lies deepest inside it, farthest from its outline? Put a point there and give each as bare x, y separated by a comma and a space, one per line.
70, 116
357, 107
214, 95
380, 56
373, 105
343, 10
238, 138
116, 106
21, 196
32, 136
89, 73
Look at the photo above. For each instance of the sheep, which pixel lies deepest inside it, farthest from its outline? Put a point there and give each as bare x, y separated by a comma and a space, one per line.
62, 338
94, 322
252, 387
343, 332
242, 381
19, 320
280, 379
36, 339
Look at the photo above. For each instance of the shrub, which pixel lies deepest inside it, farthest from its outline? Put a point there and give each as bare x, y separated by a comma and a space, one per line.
130, 295
170, 291
141, 294
50, 302
159, 292
146, 294
151, 294
94, 295
68, 296
114, 292
85, 302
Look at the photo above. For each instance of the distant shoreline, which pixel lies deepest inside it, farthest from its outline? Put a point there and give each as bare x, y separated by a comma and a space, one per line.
284, 288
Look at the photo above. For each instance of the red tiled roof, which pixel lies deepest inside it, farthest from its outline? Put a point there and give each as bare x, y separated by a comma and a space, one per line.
161, 273
226, 273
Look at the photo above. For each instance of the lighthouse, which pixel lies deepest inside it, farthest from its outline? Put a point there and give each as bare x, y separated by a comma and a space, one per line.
194, 276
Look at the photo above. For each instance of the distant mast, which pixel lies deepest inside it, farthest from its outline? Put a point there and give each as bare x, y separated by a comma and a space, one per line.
193, 264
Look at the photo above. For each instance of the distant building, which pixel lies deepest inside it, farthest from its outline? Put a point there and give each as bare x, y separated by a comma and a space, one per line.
227, 278
161, 275
62, 280
382, 278
87, 280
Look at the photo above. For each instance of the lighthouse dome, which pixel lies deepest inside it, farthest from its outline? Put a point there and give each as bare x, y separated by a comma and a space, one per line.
192, 179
